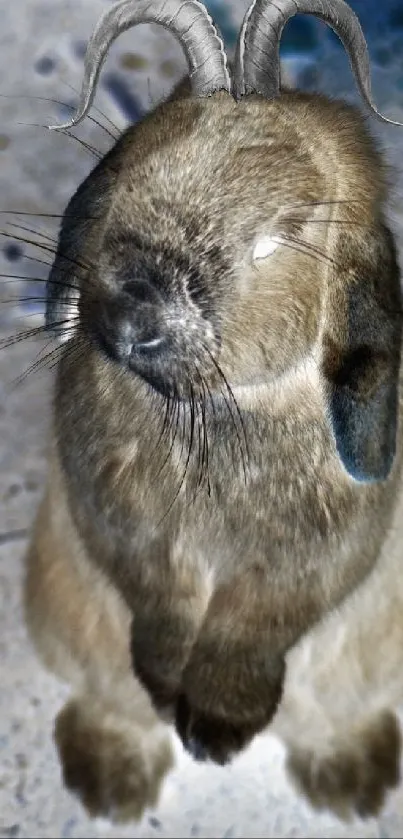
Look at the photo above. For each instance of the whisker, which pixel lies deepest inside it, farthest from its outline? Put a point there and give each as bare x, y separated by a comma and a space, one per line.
11, 277
48, 280
39, 245
302, 247
43, 247
165, 424
87, 146
70, 350
37, 260
34, 231
202, 436
183, 430
211, 399
205, 439
170, 407
199, 454
237, 409
36, 331
47, 215
309, 248
69, 107
53, 241
192, 408
65, 132
96, 108
174, 417
38, 363
10, 281
45, 359
13, 300
183, 477
17, 301
16, 339
326, 221
49, 361
213, 414
326, 203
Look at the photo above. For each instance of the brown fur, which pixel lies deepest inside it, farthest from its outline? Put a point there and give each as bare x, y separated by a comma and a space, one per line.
218, 581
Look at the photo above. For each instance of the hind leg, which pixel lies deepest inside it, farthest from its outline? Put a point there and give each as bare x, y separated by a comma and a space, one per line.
344, 680
113, 749
351, 774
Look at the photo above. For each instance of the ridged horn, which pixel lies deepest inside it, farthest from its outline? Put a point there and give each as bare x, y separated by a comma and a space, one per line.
257, 61
187, 19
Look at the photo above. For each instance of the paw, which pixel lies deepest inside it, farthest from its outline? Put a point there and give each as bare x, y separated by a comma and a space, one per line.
218, 730
112, 766
356, 777
207, 737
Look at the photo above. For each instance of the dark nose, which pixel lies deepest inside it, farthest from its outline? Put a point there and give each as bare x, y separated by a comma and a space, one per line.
132, 323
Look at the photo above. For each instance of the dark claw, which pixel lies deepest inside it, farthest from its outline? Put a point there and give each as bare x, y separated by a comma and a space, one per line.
182, 719
190, 741
196, 749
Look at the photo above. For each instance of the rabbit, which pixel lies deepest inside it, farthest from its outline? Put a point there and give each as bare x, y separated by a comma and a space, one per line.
225, 452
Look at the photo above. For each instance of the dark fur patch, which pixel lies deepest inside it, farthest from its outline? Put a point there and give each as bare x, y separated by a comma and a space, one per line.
363, 373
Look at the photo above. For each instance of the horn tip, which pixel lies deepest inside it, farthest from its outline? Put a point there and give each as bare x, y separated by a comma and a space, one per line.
387, 120
70, 124
60, 127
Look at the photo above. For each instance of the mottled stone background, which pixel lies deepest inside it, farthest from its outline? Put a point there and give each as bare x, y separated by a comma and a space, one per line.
41, 50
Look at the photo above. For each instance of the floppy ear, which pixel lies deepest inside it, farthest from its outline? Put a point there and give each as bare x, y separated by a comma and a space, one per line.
362, 347
82, 212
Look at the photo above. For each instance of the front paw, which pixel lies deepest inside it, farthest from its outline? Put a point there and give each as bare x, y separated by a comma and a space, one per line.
224, 704
207, 737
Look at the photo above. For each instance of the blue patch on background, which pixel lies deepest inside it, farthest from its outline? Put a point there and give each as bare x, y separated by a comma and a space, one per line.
220, 12
124, 97
300, 35
303, 34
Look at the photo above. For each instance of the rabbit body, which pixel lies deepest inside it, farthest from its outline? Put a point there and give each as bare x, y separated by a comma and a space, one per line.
209, 503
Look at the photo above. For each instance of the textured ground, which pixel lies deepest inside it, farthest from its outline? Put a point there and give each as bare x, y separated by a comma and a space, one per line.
41, 53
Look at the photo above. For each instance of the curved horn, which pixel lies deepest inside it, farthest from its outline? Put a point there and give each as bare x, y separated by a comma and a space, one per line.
187, 19
257, 62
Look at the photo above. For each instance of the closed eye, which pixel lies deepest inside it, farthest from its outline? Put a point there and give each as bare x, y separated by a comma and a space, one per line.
265, 247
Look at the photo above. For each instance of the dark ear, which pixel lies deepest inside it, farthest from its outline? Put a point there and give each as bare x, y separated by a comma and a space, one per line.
362, 348
83, 211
